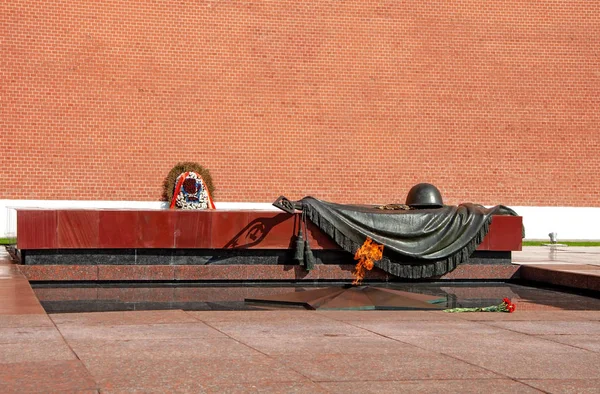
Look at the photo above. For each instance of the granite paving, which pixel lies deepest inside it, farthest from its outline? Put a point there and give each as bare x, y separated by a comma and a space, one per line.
558, 255
304, 351
539, 348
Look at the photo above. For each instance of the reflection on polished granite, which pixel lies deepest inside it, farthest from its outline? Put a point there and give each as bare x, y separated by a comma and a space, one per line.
574, 267
16, 297
559, 255
123, 297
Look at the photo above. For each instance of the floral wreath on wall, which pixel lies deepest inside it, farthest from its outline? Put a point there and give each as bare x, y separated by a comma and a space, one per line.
189, 186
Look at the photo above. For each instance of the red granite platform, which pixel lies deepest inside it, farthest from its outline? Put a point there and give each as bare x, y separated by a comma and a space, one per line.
539, 348
241, 229
98, 230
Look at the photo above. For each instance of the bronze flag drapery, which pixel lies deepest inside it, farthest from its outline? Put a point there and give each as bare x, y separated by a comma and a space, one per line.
419, 243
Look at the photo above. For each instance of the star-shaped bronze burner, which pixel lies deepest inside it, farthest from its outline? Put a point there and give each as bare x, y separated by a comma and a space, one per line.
354, 298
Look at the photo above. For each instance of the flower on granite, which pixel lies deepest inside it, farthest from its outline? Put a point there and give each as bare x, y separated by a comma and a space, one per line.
505, 306
509, 306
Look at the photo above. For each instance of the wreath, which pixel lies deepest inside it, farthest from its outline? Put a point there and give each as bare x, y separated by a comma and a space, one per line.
188, 166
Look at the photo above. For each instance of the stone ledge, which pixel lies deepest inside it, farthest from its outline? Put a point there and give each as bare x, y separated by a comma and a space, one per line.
575, 276
284, 273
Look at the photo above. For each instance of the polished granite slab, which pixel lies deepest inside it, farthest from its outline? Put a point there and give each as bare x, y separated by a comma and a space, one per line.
117, 296
574, 267
177, 229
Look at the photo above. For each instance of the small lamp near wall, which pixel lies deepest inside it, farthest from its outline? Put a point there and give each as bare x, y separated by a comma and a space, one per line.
553, 237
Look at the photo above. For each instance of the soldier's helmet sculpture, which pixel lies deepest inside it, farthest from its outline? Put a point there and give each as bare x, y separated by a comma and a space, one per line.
423, 196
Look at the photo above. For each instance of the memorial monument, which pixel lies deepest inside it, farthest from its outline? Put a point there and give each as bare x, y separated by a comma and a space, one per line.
420, 239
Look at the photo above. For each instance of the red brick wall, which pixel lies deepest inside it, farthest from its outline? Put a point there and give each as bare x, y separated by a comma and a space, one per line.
494, 102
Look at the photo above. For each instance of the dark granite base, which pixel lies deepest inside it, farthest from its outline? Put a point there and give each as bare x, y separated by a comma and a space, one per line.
225, 265
490, 257
81, 257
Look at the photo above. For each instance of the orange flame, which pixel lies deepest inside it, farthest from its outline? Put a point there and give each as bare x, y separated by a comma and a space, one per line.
368, 253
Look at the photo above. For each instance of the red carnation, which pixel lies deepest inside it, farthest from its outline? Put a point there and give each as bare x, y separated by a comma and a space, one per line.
506, 306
